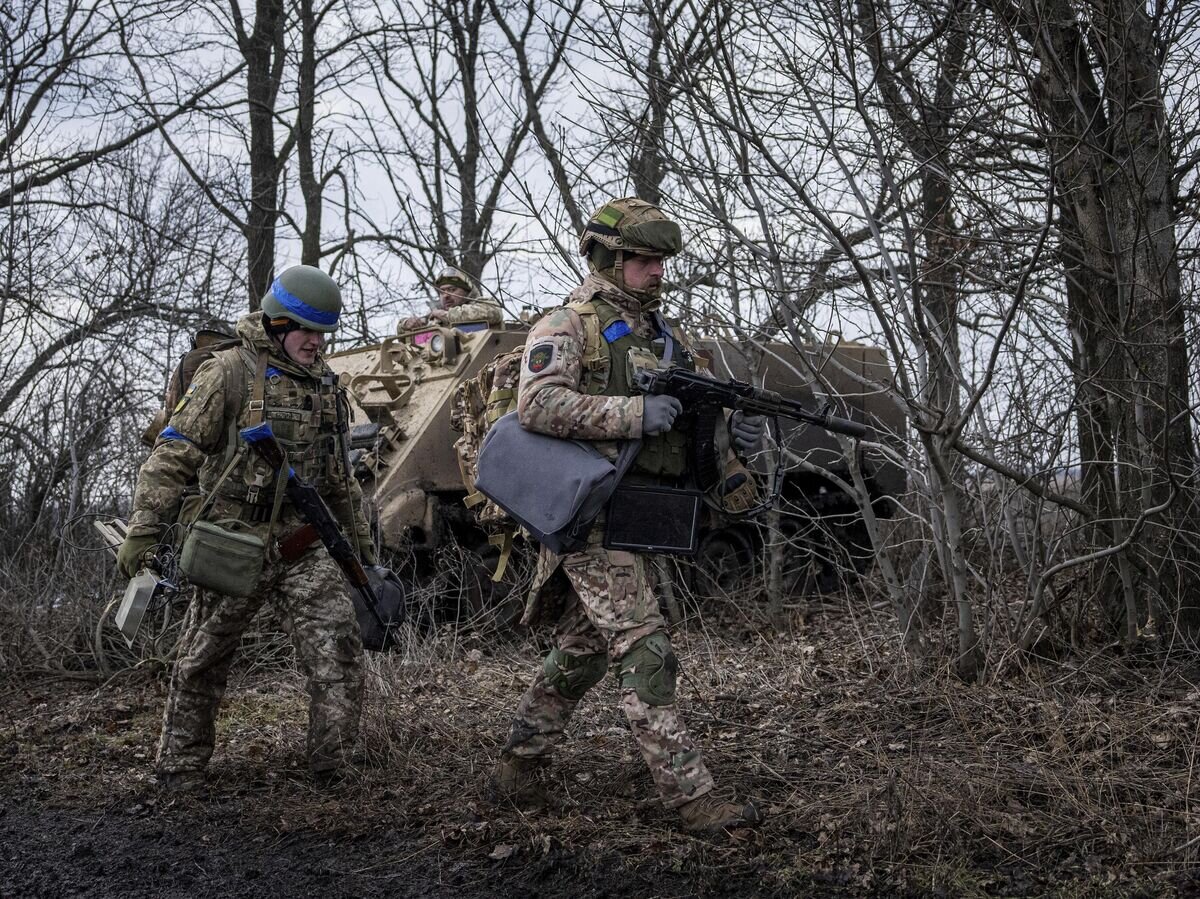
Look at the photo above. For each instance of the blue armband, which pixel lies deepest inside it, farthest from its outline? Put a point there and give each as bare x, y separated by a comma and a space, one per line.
169, 433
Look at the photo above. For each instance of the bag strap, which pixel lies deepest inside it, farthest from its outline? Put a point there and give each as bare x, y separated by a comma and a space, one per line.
259, 391
594, 347
212, 496
233, 364
668, 339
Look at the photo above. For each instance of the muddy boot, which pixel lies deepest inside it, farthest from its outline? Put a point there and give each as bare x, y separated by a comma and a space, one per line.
715, 812
520, 780
180, 782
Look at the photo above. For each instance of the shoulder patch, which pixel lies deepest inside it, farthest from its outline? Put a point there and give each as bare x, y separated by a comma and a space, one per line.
191, 391
540, 357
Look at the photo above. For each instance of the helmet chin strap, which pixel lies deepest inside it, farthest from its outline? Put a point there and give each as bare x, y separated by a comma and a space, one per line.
619, 271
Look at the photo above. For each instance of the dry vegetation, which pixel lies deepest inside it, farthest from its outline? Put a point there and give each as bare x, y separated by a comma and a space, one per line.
1069, 778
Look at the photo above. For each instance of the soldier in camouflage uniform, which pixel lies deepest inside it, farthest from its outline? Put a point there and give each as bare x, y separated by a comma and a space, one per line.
576, 380
277, 375
458, 302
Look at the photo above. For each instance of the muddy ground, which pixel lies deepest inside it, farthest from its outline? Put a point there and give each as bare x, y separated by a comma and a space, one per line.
1072, 778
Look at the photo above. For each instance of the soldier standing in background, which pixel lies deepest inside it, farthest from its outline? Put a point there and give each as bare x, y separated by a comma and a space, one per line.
458, 302
576, 383
278, 376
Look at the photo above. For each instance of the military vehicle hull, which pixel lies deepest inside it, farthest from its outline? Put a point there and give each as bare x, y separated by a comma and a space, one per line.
405, 388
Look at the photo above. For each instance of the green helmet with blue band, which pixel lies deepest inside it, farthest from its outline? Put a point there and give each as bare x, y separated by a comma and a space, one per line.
305, 296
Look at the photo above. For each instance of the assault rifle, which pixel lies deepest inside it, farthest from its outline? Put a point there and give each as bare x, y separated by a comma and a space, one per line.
314, 511
697, 391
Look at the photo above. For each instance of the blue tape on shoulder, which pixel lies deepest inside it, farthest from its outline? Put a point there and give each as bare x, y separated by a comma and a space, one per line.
297, 306
616, 331
169, 433
272, 372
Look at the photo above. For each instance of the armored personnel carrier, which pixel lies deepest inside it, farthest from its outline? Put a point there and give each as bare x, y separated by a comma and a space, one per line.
403, 387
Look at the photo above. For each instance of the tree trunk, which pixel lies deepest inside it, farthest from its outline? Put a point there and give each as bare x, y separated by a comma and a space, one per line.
1112, 158
263, 50
310, 185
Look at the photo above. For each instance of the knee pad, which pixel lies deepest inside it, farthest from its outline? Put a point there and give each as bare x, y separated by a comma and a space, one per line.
649, 670
573, 675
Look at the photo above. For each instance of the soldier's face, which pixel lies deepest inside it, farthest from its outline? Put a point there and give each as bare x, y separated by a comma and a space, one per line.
643, 272
303, 346
451, 295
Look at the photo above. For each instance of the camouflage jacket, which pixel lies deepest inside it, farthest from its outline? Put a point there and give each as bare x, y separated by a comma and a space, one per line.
475, 311
550, 397
300, 402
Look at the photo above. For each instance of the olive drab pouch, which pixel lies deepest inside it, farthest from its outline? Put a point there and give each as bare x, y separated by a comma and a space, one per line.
221, 559
639, 359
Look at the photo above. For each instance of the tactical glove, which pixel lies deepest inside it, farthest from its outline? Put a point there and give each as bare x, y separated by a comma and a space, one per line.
746, 431
366, 551
133, 548
659, 414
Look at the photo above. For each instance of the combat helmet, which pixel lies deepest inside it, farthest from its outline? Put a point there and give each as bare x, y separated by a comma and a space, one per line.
451, 276
303, 296
626, 226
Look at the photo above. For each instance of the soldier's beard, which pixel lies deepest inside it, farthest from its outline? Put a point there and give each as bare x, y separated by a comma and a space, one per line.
646, 297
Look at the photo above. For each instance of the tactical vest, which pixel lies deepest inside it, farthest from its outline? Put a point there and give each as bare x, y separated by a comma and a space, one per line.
303, 414
612, 351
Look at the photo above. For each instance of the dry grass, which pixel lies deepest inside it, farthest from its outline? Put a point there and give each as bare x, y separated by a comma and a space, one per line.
1066, 779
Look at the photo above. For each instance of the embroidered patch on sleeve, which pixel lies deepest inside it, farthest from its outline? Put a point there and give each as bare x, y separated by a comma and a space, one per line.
187, 396
540, 357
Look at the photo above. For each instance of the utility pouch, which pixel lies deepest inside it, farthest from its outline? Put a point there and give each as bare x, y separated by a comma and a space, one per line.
219, 559
646, 519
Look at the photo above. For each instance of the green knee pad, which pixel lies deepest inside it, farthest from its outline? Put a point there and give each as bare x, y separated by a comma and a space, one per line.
573, 675
649, 669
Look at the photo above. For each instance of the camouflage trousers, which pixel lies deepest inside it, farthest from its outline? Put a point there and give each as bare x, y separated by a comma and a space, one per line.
309, 599
611, 605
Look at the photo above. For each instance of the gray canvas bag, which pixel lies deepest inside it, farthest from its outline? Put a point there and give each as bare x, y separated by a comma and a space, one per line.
553, 488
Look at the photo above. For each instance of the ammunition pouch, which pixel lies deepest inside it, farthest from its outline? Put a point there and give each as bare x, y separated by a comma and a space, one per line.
665, 455
651, 519
222, 560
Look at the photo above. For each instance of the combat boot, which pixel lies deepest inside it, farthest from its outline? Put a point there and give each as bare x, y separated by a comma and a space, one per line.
180, 782
520, 780
714, 812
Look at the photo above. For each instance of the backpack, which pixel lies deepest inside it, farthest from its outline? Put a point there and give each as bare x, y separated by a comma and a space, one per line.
206, 343
477, 404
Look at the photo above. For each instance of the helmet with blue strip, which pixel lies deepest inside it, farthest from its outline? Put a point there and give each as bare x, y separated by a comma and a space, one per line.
305, 296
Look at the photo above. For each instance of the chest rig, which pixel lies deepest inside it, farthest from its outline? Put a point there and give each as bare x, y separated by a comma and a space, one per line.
612, 353
303, 413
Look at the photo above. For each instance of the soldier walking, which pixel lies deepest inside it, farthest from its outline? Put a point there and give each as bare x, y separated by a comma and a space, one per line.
577, 383
277, 376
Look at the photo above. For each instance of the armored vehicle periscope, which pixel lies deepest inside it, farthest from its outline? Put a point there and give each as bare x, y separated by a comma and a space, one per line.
404, 385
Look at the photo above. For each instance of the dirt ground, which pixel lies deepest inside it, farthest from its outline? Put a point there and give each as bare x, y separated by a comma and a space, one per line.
1065, 779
